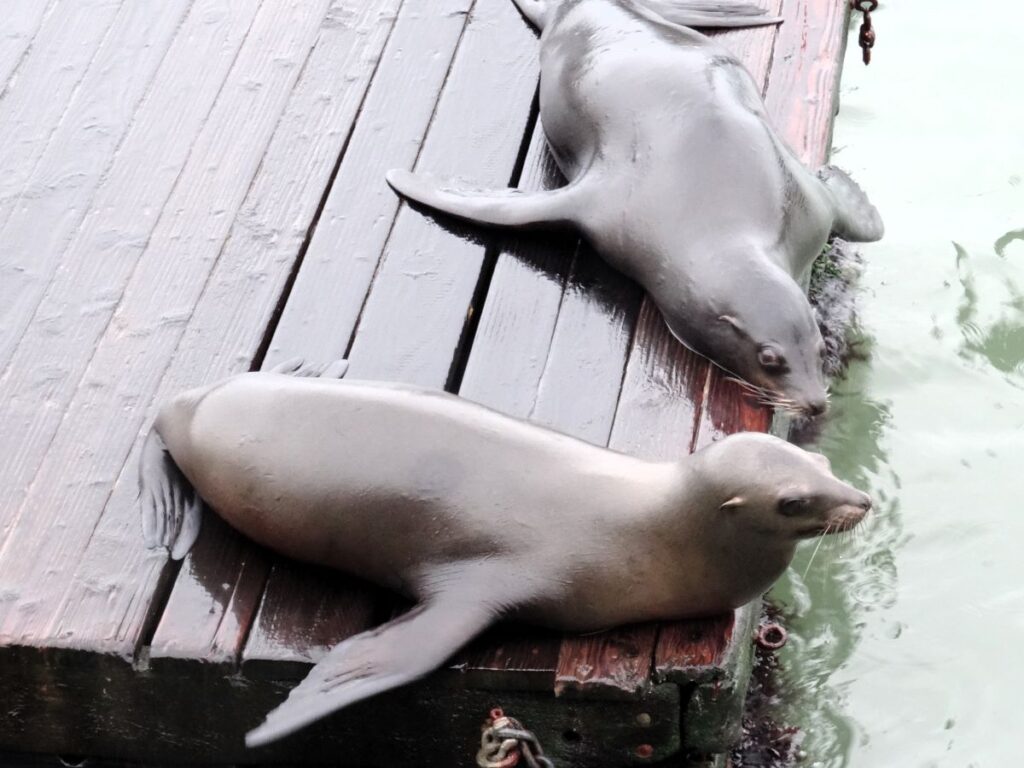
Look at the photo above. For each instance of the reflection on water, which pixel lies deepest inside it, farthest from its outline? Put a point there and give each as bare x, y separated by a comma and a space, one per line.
997, 339
905, 635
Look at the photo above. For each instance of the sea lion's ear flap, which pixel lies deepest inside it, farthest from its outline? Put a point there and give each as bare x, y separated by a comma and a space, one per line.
734, 503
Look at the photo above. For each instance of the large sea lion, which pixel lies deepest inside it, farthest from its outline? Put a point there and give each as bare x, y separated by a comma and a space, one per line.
475, 515
678, 179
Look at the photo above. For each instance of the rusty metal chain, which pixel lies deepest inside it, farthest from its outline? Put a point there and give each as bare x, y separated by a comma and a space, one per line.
867, 28
504, 741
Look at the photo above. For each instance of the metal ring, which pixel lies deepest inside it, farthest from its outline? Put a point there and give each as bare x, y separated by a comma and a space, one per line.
771, 636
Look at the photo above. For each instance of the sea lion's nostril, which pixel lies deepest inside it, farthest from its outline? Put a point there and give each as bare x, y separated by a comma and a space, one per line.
865, 502
816, 407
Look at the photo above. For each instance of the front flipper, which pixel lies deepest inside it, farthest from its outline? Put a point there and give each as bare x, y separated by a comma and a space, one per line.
710, 14
394, 654
171, 509
856, 219
506, 208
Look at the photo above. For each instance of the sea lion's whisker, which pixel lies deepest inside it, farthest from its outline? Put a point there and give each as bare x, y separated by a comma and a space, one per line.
814, 554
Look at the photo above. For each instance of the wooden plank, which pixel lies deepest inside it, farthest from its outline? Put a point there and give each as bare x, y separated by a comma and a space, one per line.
22, 19
422, 292
661, 395
226, 330
413, 321
148, 716
321, 312
324, 303
267, 242
104, 418
803, 88
504, 370
27, 121
80, 302
55, 197
715, 654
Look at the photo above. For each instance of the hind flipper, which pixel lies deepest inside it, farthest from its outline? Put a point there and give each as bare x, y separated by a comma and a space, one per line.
534, 11
171, 509
394, 654
506, 208
856, 219
710, 14
297, 366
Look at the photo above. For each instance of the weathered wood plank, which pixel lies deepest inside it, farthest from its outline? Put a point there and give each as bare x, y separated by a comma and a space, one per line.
105, 416
153, 715
55, 196
338, 608
412, 324
228, 323
803, 87
77, 308
660, 398
421, 294
27, 121
329, 291
320, 316
22, 20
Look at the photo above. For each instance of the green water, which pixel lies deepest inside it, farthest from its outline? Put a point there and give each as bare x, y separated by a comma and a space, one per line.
908, 642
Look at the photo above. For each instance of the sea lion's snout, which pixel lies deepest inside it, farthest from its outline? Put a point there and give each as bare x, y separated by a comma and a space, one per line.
848, 516
815, 407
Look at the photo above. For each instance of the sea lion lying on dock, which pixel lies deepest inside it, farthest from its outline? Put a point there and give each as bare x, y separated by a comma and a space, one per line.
475, 515
678, 179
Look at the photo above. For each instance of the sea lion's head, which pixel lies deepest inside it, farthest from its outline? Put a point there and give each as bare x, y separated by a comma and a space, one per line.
778, 491
760, 327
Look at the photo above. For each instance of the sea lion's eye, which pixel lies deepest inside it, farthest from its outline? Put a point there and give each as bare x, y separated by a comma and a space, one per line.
771, 358
793, 507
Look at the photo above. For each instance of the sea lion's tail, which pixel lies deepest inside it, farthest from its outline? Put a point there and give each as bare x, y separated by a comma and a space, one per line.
690, 13
171, 509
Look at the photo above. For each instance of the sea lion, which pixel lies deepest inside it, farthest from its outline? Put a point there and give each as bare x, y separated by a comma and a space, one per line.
678, 179
475, 515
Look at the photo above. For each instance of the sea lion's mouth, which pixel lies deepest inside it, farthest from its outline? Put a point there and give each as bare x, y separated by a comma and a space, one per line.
840, 520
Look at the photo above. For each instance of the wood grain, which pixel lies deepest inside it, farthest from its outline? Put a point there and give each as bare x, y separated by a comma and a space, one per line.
108, 410
721, 410
228, 323
662, 394
76, 311
63, 179
21, 22
344, 251
803, 88
27, 121
412, 323
423, 288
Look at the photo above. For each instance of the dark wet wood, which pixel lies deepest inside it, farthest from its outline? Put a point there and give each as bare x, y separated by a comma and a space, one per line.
210, 175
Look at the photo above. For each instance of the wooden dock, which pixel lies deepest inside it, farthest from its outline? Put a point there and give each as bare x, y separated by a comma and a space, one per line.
193, 188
